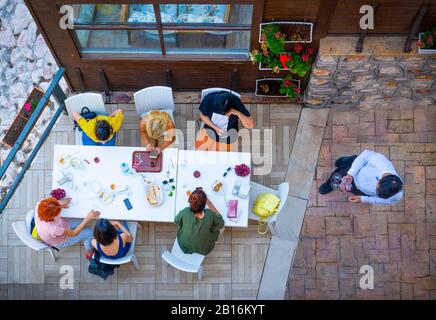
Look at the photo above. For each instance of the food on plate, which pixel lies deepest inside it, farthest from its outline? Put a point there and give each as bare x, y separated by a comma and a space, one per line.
154, 195
113, 186
217, 186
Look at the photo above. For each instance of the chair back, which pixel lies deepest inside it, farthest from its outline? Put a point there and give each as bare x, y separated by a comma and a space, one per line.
94, 101
133, 227
205, 92
282, 193
22, 230
182, 261
153, 98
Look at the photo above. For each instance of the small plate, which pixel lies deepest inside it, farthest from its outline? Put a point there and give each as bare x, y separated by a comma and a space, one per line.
218, 187
147, 178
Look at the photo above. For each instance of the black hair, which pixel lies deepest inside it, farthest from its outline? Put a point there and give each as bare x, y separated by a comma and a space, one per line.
388, 186
103, 130
104, 232
223, 101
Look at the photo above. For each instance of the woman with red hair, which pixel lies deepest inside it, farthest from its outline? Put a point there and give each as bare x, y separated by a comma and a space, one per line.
58, 232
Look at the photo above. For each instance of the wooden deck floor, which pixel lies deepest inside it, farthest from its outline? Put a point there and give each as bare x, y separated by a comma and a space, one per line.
231, 271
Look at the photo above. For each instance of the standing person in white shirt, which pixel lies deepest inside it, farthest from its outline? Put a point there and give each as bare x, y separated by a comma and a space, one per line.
372, 177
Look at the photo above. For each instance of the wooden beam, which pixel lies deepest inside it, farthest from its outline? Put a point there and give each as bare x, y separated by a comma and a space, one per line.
159, 27
359, 45
105, 85
325, 14
169, 77
80, 79
234, 79
418, 20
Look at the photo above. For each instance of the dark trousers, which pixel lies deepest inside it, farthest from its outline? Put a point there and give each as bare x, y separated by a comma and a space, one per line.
342, 170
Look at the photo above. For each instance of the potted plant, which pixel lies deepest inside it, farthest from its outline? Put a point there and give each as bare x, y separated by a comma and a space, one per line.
273, 55
427, 41
295, 32
23, 117
278, 87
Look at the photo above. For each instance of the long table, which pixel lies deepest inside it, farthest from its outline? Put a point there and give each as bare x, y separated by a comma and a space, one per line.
99, 167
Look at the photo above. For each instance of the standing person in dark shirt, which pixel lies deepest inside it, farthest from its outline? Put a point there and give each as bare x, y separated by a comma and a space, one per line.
221, 112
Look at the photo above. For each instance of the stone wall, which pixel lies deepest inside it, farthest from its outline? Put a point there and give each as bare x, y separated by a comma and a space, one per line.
381, 74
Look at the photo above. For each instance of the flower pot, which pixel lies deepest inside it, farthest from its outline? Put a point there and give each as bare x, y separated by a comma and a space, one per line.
425, 51
274, 87
303, 29
21, 119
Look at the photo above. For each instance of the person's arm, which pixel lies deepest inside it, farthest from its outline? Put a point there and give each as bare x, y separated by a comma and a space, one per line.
246, 121
361, 161
209, 122
143, 134
76, 116
126, 235
212, 207
92, 215
117, 111
376, 200
170, 137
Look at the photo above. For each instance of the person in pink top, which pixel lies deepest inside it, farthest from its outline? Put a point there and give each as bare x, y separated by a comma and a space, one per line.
58, 232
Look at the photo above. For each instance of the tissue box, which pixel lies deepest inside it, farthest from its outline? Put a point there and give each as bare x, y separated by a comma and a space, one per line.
244, 191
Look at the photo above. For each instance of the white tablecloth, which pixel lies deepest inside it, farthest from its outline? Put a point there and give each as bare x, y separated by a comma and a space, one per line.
212, 165
108, 172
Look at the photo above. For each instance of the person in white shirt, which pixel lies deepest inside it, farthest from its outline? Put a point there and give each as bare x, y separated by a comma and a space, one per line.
371, 176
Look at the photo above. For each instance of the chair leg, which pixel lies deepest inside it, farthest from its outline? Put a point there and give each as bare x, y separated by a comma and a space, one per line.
52, 254
135, 262
271, 228
200, 273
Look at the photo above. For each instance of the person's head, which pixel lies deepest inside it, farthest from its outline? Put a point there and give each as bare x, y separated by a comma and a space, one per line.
104, 232
223, 102
103, 130
388, 186
157, 124
197, 200
48, 209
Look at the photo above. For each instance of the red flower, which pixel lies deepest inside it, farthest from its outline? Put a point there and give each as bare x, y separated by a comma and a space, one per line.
421, 44
430, 40
298, 48
297, 90
28, 107
288, 83
283, 59
305, 58
310, 51
277, 35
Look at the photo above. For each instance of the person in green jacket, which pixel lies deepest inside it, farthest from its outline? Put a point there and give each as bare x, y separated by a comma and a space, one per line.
199, 228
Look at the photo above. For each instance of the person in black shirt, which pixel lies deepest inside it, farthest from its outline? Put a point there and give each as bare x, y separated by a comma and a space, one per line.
221, 112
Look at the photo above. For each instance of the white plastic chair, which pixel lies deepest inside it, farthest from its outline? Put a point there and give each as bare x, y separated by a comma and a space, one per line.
154, 98
182, 261
130, 255
23, 232
94, 101
281, 192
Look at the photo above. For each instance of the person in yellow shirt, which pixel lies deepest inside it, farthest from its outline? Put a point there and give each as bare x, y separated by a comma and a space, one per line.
101, 130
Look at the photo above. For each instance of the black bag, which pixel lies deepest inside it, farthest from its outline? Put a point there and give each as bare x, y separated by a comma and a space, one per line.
86, 114
100, 269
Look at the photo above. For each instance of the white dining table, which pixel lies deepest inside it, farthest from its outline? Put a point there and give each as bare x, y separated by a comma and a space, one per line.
177, 164
107, 172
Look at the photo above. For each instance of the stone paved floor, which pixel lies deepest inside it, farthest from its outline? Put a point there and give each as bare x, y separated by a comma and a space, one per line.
398, 241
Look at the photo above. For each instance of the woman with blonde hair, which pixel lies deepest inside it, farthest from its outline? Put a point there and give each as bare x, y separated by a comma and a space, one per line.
157, 130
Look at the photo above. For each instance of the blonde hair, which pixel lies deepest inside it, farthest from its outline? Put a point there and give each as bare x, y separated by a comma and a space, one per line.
157, 124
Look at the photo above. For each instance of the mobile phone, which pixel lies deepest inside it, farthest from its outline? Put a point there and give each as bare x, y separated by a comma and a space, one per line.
128, 204
153, 154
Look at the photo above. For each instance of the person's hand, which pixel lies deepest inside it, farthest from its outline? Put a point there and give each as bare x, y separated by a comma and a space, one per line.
92, 215
157, 149
232, 112
65, 203
149, 147
355, 199
219, 131
116, 224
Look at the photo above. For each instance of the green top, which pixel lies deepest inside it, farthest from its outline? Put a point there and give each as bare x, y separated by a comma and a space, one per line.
198, 235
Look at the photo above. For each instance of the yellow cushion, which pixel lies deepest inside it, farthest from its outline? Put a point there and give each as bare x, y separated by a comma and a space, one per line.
266, 204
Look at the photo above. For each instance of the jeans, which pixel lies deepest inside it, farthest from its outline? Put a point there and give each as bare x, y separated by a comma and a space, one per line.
87, 141
85, 235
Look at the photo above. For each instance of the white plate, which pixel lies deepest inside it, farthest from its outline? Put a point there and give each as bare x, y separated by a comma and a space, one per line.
222, 188
161, 195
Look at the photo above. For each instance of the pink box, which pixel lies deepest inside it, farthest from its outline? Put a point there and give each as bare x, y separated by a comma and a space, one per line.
232, 209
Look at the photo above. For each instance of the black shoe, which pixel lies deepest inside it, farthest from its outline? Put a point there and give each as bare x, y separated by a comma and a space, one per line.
325, 188
343, 161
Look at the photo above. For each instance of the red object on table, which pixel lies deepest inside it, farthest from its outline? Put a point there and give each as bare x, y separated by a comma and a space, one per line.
142, 162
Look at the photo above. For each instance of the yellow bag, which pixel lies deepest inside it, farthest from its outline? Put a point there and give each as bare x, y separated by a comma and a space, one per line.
265, 205
35, 234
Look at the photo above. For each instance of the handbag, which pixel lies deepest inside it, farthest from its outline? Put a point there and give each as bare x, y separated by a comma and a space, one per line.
86, 114
100, 269
265, 205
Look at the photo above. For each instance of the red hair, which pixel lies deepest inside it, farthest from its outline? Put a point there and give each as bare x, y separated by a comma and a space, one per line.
49, 209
